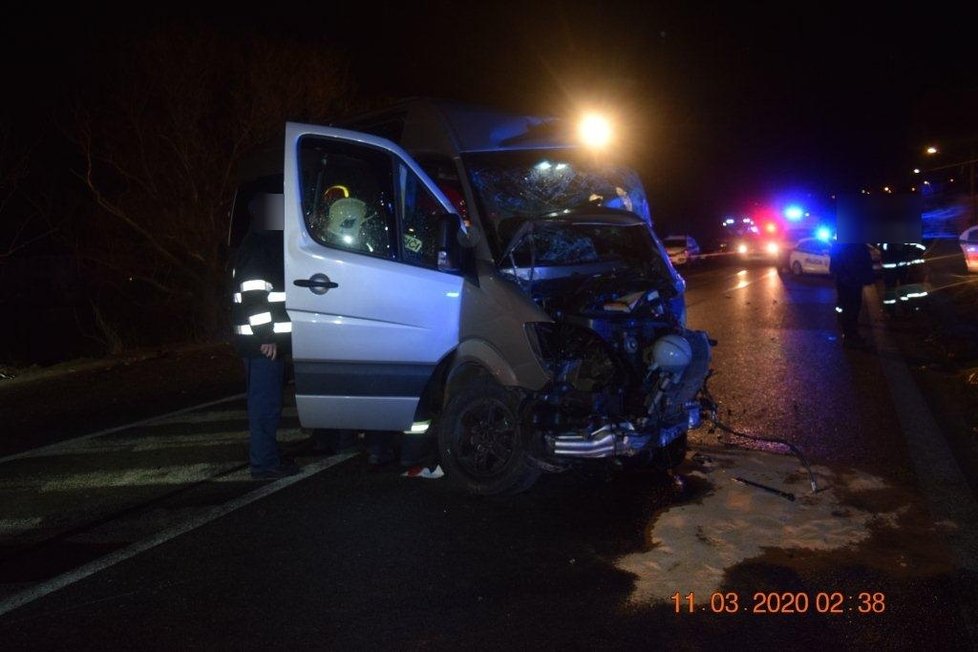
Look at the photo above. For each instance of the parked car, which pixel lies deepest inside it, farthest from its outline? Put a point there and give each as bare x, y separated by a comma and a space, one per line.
810, 256
969, 247
756, 248
788, 240
813, 255
682, 249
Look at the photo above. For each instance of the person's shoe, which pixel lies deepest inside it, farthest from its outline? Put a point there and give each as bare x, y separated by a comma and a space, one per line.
283, 470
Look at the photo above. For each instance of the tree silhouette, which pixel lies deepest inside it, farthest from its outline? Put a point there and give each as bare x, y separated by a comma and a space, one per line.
23, 222
160, 130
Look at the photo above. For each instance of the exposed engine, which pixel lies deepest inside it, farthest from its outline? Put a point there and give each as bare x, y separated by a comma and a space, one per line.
626, 375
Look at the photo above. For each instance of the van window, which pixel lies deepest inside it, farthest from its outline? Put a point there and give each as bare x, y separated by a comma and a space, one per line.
444, 173
347, 196
420, 226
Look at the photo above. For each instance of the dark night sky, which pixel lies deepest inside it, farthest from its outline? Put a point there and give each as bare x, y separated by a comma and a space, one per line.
732, 101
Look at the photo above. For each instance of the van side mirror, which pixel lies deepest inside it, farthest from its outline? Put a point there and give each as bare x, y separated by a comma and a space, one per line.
469, 237
455, 242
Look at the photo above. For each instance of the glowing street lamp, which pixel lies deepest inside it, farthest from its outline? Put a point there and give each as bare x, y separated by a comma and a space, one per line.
595, 130
970, 163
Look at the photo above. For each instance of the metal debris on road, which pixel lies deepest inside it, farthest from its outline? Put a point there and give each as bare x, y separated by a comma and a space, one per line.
778, 492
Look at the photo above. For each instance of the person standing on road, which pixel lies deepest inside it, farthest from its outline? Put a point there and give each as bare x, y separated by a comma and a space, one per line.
852, 266
903, 277
262, 333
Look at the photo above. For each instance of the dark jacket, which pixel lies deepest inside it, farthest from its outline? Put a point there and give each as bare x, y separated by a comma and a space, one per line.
852, 264
902, 256
258, 295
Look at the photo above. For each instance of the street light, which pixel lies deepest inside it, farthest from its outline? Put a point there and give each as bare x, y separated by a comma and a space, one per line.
595, 130
932, 150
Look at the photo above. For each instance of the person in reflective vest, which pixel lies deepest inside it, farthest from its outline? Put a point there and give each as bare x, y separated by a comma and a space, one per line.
903, 275
852, 266
262, 337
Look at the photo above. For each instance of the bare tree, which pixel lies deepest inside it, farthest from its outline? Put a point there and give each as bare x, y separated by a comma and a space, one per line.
23, 220
160, 134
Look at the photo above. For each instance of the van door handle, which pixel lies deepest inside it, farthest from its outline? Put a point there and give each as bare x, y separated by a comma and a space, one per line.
317, 283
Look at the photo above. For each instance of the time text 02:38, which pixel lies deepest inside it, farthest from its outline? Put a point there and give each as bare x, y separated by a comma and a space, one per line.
783, 602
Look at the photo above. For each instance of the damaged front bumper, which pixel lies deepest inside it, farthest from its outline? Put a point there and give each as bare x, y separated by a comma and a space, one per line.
620, 439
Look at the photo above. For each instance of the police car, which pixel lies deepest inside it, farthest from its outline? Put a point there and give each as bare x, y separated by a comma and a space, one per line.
810, 256
813, 255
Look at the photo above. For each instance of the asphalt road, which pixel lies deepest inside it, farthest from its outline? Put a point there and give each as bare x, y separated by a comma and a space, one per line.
152, 537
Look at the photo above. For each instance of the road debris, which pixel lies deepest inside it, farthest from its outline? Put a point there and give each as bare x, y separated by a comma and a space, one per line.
419, 471
778, 492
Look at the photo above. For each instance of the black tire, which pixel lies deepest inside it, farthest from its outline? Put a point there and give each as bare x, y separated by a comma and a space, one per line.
483, 442
796, 268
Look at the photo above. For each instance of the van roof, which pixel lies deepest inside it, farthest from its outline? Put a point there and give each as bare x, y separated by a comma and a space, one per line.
450, 128
431, 126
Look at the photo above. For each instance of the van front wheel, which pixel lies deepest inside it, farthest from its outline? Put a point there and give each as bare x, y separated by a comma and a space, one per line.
483, 441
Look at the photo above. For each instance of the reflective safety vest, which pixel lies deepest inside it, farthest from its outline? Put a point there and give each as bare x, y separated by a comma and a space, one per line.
903, 274
905, 254
906, 293
258, 313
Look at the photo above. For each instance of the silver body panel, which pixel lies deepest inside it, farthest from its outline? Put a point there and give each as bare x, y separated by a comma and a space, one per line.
381, 312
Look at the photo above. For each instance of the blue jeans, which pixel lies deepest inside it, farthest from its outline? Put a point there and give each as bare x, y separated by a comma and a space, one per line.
265, 379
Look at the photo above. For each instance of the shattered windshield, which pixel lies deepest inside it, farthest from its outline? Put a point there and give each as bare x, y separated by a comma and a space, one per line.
512, 186
564, 242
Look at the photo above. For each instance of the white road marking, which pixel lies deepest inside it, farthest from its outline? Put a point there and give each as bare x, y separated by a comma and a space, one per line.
212, 514
137, 443
9, 526
135, 477
44, 450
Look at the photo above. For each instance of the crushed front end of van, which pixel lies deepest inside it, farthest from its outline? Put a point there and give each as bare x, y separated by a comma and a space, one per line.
623, 371
498, 281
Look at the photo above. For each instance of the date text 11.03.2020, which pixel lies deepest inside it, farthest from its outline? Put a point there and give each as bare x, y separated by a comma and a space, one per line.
783, 602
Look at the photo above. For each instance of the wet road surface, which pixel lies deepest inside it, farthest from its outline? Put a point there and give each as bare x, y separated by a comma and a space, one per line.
153, 537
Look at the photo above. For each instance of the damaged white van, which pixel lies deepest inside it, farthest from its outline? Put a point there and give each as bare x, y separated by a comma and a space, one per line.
488, 277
